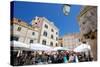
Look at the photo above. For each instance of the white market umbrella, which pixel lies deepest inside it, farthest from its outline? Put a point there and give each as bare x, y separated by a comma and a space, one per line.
19, 45
82, 48
66, 48
40, 47
58, 48
61, 48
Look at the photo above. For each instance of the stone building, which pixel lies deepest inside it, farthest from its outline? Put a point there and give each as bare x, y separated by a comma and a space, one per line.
87, 20
40, 31
23, 32
71, 41
61, 42
48, 32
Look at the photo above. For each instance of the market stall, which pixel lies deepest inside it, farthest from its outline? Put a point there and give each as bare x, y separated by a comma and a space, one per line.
19, 45
40, 47
82, 48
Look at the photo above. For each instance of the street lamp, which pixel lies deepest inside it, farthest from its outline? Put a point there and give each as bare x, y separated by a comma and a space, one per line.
66, 9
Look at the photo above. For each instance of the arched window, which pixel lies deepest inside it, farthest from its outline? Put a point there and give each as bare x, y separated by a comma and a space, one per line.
56, 44
45, 33
61, 45
46, 26
33, 33
31, 41
52, 30
52, 36
51, 43
56, 33
44, 42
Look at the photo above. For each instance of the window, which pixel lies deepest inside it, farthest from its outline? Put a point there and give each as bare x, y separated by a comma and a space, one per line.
46, 26
45, 33
56, 33
44, 42
33, 33
56, 44
19, 29
51, 43
52, 36
14, 38
61, 45
31, 41
52, 30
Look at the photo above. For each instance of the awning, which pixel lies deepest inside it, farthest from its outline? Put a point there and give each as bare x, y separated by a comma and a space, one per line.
61, 48
82, 48
19, 45
40, 47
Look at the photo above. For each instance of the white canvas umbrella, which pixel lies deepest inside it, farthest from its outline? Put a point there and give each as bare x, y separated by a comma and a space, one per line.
82, 48
19, 45
40, 47
66, 48
59, 48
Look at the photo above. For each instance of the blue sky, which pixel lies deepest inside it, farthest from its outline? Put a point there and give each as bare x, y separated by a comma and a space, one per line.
26, 11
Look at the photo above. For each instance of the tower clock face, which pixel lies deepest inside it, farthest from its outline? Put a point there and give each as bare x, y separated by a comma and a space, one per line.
66, 9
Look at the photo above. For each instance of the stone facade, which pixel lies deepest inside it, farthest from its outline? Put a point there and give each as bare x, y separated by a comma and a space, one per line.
22, 32
48, 32
71, 41
88, 27
40, 31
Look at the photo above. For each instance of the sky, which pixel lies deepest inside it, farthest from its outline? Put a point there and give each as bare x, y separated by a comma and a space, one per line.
26, 11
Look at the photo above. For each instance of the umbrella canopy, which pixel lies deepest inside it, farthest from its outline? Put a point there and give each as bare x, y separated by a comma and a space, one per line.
40, 47
19, 45
66, 48
60, 48
82, 48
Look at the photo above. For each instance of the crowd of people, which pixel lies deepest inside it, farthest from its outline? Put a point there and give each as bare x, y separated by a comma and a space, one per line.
44, 57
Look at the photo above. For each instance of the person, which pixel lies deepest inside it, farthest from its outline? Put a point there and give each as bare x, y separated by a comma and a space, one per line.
60, 59
76, 58
44, 58
33, 59
54, 58
65, 58
49, 59
71, 58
